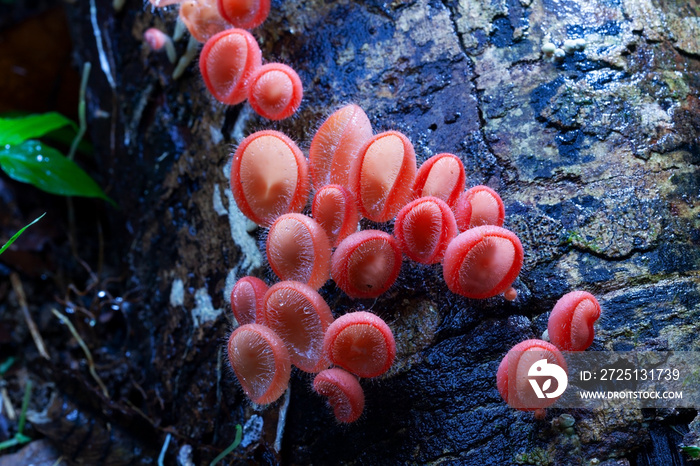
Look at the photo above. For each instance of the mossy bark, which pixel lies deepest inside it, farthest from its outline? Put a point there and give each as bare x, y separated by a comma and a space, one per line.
595, 155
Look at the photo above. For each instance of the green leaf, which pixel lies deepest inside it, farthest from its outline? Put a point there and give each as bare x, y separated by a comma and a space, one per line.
5, 246
44, 167
15, 131
693, 452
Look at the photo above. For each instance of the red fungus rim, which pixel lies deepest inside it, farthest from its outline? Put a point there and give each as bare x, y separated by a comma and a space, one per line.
259, 289
280, 379
502, 382
249, 21
424, 172
320, 269
469, 195
238, 92
345, 251
448, 230
458, 249
301, 191
294, 99
561, 320
350, 218
400, 192
343, 392
360, 319
323, 313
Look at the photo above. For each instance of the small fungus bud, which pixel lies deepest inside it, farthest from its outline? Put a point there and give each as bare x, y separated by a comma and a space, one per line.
275, 91
525, 362
298, 249
571, 322
164, 3
300, 316
246, 14
486, 208
336, 145
580, 43
440, 176
569, 45
424, 228
202, 19
548, 49
366, 263
269, 177
482, 262
559, 54
261, 362
247, 299
158, 40
382, 176
361, 343
334, 208
343, 391
227, 62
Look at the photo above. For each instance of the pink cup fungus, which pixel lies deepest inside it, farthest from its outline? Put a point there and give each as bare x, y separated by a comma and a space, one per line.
366, 263
336, 145
360, 342
570, 325
334, 208
440, 176
164, 3
261, 362
485, 208
298, 249
522, 364
245, 14
424, 228
202, 19
382, 175
157, 40
344, 393
269, 177
275, 91
247, 299
300, 316
227, 63
482, 262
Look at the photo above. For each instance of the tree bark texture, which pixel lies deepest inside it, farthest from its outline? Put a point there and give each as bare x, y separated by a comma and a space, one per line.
595, 156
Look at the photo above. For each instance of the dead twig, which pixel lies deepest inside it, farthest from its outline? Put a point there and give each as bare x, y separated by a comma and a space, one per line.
22, 298
86, 350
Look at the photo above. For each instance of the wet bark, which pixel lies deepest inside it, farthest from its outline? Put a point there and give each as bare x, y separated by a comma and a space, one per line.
595, 156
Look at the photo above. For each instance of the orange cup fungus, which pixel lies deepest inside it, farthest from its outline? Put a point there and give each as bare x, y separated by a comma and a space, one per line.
366, 263
440, 176
245, 14
361, 343
334, 208
570, 325
343, 392
202, 19
298, 249
227, 63
269, 177
275, 91
485, 207
300, 317
521, 365
482, 262
261, 362
382, 175
336, 145
424, 228
247, 299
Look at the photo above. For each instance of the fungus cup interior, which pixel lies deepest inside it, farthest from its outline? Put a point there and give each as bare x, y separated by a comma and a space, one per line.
515, 371
334, 209
247, 299
424, 228
570, 324
482, 262
440, 176
486, 207
336, 145
246, 14
343, 391
361, 343
300, 316
261, 362
366, 263
275, 91
269, 177
202, 19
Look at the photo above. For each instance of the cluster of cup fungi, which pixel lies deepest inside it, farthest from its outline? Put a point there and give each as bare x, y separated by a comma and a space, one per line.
353, 173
